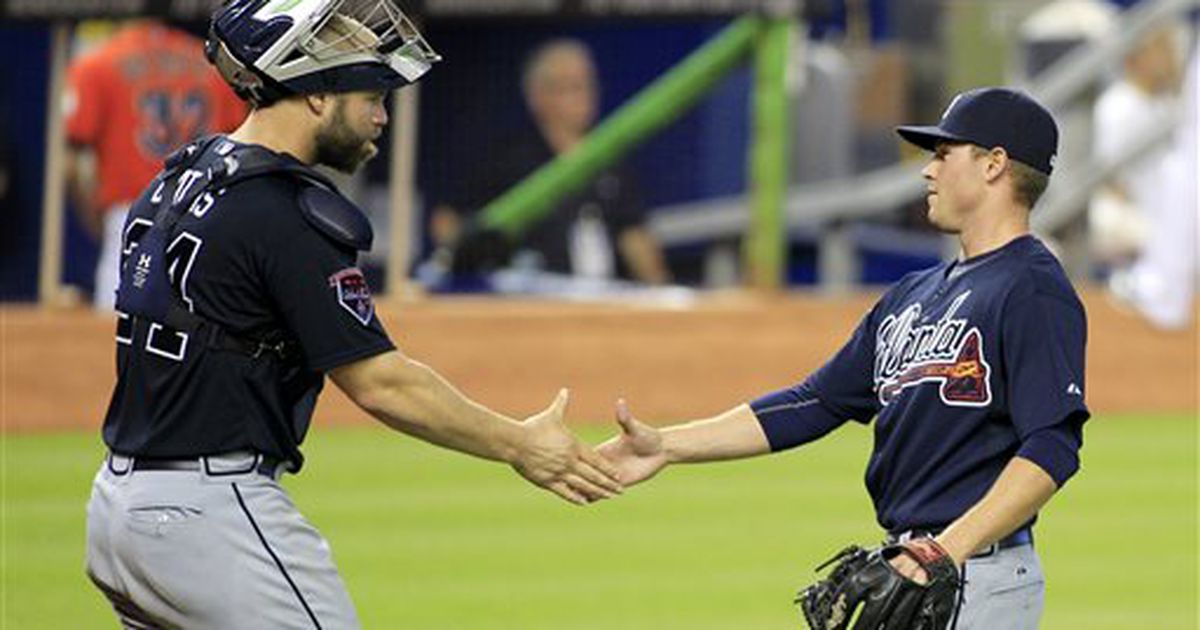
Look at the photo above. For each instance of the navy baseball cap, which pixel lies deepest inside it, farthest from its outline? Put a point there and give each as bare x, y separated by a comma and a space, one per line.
994, 117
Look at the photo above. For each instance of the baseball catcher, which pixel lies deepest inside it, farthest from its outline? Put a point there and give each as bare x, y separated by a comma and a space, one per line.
241, 294
864, 591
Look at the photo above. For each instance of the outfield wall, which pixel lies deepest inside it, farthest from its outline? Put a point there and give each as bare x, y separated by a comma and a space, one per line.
57, 366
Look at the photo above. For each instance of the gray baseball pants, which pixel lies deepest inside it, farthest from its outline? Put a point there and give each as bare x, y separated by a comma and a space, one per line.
1005, 590
218, 547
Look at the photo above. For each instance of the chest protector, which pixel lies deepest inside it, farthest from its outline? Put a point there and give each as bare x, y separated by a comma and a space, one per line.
192, 178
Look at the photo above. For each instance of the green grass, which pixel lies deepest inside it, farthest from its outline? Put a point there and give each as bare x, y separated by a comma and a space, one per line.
428, 539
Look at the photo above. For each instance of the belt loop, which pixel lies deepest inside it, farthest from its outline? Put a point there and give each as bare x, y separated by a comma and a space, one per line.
272, 467
212, 467
268, 468
114, 461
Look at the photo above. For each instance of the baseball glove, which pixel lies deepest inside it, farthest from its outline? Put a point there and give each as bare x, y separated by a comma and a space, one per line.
864, 589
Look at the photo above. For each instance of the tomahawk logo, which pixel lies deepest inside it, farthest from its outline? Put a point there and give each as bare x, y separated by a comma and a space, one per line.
946, 352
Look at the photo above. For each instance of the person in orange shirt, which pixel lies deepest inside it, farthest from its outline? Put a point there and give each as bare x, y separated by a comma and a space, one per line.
129, 103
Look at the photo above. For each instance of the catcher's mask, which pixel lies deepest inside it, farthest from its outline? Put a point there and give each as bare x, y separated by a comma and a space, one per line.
270, 49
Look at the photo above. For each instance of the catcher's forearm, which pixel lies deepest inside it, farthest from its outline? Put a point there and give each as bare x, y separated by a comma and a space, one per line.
412, 398
1020, 491
730, 435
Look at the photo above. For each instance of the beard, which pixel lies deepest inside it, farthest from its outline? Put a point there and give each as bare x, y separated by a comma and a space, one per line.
339, 147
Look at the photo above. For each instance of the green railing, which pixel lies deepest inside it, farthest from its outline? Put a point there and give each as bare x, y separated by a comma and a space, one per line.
764, 250
659, 104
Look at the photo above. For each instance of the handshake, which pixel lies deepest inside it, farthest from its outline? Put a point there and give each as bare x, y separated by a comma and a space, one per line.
549, 456
412, 398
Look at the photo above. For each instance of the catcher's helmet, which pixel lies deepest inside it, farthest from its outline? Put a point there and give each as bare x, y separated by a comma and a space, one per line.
269, 49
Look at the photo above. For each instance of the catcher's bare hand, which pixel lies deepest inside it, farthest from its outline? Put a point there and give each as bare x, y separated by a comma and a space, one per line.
551, 457
637, 452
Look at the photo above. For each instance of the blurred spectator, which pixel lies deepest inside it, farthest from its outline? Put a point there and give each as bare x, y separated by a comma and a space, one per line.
129, 103
1161, 283
598, 232
1128, 109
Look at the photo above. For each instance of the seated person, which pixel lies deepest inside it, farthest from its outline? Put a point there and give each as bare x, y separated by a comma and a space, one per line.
597, 232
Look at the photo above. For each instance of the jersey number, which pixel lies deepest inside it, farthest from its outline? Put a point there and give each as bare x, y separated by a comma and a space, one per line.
181, 253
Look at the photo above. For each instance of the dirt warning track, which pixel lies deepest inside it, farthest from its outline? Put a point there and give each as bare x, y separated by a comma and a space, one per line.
57, 366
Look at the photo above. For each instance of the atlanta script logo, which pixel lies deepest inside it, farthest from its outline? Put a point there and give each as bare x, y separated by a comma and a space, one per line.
945, 352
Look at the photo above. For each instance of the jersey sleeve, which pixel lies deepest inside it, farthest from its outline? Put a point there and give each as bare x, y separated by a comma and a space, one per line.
1043, 351
794, 416
83, 102
1044, 337
322, 297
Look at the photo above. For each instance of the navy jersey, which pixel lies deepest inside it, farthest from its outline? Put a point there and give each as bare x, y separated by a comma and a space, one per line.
247, 259
962, 367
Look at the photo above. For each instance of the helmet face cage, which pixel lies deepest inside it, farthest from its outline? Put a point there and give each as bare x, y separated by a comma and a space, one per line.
349, 29
267, 49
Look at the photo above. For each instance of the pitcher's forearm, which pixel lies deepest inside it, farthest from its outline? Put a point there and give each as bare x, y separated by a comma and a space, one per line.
1020, 491
733, 434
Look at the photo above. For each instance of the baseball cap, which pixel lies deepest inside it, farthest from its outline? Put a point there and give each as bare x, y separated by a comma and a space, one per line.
994, 117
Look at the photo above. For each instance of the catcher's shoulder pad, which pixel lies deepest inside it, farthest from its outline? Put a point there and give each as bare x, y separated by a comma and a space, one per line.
336, 217
321, 204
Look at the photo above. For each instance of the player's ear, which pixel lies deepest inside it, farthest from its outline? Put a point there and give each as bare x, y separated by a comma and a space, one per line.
995, 164
319, 103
